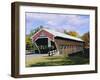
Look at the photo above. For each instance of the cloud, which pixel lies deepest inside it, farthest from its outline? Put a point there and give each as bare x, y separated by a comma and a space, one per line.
58, 21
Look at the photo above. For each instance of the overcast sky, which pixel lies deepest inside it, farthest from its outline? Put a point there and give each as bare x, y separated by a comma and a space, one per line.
59, 22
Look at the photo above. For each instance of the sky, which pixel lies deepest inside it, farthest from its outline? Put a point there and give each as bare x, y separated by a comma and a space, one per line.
58, 22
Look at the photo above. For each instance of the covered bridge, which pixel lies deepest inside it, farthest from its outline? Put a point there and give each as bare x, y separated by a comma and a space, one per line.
48, 40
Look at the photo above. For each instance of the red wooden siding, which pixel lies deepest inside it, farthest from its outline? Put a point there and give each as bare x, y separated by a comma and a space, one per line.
38, 34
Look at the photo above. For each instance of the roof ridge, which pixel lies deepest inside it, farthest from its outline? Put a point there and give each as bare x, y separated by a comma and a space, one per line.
59, 34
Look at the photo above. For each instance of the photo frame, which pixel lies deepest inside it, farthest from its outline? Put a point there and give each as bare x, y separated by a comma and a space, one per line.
40, 13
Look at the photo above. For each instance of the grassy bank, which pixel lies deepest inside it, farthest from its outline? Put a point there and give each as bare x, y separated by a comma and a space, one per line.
59, 60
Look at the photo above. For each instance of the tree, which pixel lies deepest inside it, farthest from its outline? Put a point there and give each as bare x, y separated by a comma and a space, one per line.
28, 43
65, 32
41, 27
72, 33
86, 38
33, 31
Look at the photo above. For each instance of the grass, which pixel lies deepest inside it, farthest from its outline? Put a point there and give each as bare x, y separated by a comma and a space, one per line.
57, 60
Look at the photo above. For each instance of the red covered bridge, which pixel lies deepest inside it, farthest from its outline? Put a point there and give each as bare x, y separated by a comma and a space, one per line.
52, 41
